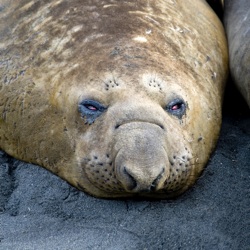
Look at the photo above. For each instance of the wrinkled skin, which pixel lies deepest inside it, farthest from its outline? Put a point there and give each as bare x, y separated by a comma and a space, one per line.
237, 25
119, 98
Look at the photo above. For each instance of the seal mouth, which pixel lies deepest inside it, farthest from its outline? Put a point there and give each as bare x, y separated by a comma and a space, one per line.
151, 192
143, 194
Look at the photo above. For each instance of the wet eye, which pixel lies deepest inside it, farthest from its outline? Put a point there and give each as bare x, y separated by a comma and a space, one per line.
91, 109
177, 107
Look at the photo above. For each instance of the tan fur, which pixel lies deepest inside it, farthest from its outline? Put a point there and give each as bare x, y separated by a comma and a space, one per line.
134, 57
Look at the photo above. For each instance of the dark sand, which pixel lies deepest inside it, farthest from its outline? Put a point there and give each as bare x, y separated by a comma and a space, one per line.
40, 211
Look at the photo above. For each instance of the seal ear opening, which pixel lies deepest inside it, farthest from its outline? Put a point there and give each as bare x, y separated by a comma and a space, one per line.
91, 110
177, 107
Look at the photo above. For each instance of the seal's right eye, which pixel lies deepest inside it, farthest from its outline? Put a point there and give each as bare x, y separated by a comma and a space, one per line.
91, 110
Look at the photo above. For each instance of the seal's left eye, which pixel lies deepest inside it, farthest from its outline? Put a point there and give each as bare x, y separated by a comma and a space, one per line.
91, 109
177, 107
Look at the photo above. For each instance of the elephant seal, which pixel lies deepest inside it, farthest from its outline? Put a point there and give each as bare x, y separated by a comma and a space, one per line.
237, 25
119, 98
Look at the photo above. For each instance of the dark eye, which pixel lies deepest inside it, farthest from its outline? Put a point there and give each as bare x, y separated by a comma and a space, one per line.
91, 109
177, 107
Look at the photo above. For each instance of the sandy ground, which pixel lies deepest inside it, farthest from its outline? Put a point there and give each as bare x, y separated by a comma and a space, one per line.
40, 211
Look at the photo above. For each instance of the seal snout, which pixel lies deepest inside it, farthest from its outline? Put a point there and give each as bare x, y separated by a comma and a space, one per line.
133, 182
141, 163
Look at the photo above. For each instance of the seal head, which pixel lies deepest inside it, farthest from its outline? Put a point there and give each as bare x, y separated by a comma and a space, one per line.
119, 98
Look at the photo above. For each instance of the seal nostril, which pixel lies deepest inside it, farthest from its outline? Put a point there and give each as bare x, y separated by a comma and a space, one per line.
130, 180
153, 187
161, 126
117, 126
156, 181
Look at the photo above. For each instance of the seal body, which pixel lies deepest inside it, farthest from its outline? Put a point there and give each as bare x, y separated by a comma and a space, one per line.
237, 25
119, 98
